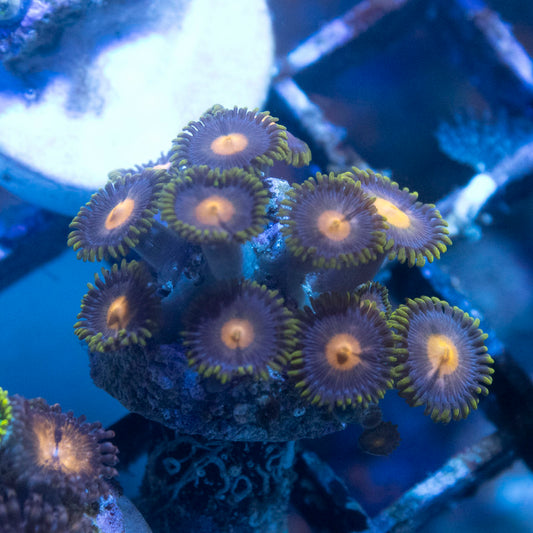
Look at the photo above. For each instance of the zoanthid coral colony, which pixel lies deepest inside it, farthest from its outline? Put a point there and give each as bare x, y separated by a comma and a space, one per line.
216, 200
266, 290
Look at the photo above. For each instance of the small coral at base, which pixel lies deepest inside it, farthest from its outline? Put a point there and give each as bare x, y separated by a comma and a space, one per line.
54, 469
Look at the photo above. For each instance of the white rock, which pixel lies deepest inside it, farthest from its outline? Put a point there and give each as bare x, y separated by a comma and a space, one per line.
134, 96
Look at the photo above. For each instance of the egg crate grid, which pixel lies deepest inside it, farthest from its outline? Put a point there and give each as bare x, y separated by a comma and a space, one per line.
479, 44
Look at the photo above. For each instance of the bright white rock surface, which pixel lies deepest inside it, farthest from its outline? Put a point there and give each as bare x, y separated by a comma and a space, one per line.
132, 98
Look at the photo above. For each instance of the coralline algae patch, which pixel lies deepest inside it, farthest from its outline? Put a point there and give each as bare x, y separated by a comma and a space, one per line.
288, 335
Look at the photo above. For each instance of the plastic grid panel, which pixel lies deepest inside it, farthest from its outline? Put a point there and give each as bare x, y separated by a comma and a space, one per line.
483, 39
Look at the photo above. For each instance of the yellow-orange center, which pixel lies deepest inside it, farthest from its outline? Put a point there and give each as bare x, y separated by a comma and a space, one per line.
118, 313
334, 225
394, 215
237, 333
343, 351
214, 210
442, 354
230, 144
378, 442
61, 448
120, 214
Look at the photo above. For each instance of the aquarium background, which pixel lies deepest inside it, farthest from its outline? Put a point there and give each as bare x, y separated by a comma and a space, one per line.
419, 95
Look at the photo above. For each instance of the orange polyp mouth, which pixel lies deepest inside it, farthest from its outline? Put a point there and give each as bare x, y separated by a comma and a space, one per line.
214, 210
230, 144
333, 225
394, 215
120, 214
442, 354
237, 333
118, 314
343, 351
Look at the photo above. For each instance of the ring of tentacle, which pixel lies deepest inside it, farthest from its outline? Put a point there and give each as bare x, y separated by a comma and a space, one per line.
299, 153
6, 414
329, 221
345, 354
238, 328
377, 293
227, 138
115, 218
64, 458
206, 206
443, 361
416, 231
157, 170
120, 309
